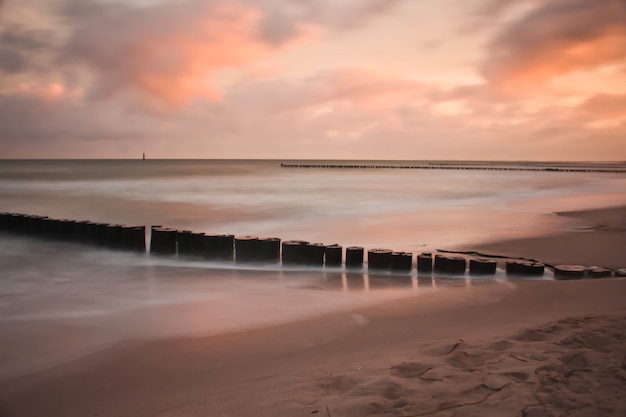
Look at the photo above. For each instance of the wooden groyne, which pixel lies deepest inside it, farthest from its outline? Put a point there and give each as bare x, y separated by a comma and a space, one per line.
185, 244
466, 167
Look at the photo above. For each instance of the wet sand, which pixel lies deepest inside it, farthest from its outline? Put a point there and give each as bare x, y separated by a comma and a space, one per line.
521, 347
598, 238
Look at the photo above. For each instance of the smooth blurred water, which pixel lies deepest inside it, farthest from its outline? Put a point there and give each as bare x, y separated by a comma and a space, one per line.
409, 210
400, 209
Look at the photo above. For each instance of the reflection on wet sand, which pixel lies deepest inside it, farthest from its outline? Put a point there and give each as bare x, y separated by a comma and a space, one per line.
364, 281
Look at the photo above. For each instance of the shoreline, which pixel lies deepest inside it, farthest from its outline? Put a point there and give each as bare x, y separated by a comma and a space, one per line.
598, 240
545, 347
492, 340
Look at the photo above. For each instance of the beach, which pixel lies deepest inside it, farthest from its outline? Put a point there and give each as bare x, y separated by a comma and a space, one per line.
504, 347
312, 208
597, 238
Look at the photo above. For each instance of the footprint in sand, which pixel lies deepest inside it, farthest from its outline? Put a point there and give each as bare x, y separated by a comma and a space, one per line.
574, 367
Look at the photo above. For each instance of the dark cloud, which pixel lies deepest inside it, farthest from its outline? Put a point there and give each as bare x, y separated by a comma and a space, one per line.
21, 49
555, 38
47, 121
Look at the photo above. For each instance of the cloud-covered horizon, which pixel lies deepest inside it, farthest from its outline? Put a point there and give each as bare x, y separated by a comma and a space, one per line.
318, 79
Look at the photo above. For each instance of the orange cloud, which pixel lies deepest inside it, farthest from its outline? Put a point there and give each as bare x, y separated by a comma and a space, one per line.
173, 51
555, 39
604, 110
167, 52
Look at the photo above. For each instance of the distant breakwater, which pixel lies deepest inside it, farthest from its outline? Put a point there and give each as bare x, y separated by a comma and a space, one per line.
250, 250
461, 166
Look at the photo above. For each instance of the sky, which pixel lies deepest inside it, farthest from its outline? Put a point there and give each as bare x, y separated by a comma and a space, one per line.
314, 79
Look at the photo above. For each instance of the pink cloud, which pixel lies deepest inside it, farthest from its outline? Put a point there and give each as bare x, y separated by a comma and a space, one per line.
166, 52
172, 52
48, 93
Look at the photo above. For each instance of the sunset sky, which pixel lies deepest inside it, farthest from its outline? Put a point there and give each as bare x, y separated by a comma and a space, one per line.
341, 79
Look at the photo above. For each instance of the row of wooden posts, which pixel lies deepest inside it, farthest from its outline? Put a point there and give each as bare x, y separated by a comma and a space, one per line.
459, 167
254, 250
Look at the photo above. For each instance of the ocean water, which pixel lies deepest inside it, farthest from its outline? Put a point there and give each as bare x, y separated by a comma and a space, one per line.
75, 299
409, 210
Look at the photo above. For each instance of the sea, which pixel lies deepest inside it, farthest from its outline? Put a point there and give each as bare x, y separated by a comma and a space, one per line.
68, 300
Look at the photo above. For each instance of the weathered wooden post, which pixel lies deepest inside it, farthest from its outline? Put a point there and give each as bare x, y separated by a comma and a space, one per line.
294, 252
333, 256
163, 241
190, 244
524, 268
563, 272
425, 262
315, 254
401, 262
354, 257
379, 260
598, 272
246, 249
452, 265
481, 266
219, 247
269, 250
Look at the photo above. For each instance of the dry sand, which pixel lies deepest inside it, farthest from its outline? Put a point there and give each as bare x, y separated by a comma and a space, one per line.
513, 348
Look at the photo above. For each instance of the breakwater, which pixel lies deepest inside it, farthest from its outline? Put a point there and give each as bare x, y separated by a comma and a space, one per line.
466, 166
185, 244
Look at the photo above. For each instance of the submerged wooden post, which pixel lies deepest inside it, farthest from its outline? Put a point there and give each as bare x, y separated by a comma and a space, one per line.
379, 259
163, 241
246, 249
269, 250
219, 247
401, 262
100, 237
456, 265
139, 239
315, 254
481, 266
354, 257
599, 272
131, 238
294, 252
424, 262
35, 225
440, 263
333, 256
562, 272
190, 244
114, 236
452, 265
4, 221
524, 268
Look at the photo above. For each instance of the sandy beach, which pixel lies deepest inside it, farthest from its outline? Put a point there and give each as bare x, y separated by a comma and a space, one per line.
529, 348
597, 238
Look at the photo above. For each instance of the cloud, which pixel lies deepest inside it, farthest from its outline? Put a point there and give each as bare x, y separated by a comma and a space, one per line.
173, 51
282, 18
553, 39
165, 51
21, 48
48, 120
604, 110
343, 112
347, 85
